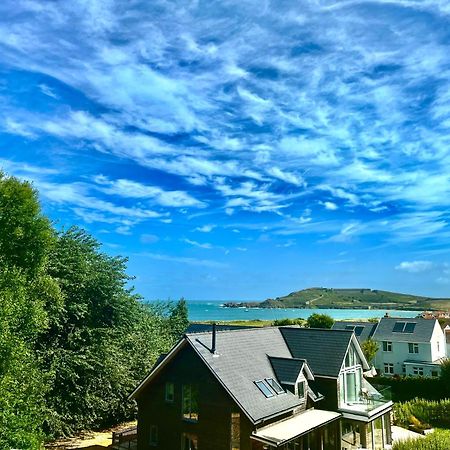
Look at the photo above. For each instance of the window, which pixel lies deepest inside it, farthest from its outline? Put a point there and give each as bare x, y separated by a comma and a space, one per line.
190, 402
388, 368
418, 370
153, 441
404, 327
301, 389
235, 441
413, 348
189, 442
274, 385
264, 388
387, 346
170, 392
434, 373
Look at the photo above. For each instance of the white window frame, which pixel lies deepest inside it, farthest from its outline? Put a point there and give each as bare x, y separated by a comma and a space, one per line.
413, 347
387, 346
390, 368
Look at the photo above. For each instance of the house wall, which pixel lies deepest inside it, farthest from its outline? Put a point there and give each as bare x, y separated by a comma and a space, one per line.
437, 343
428, 351
215, 408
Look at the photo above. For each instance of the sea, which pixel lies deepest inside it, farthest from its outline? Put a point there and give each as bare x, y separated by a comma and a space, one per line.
204, 310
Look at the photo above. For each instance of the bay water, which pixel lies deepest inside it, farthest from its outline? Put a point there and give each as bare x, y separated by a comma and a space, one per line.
204, 310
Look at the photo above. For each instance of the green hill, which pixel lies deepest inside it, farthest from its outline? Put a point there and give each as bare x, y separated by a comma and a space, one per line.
354, 299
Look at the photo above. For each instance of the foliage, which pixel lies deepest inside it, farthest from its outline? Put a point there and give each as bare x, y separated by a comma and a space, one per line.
282, 322
74, 338
438, 440
407, 388
436, 413
319, 321
370, 348
445, 371
25, 241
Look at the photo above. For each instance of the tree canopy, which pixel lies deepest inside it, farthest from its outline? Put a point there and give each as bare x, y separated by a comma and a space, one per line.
74, 337
319, 321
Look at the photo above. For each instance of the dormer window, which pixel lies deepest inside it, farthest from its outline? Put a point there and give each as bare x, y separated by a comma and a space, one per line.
301, 389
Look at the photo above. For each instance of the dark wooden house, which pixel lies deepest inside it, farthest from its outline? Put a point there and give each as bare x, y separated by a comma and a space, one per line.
253, 389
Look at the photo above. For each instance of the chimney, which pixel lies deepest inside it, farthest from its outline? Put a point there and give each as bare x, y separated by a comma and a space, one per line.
213, 345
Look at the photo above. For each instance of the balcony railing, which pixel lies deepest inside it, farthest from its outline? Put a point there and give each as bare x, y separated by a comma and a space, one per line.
368, 400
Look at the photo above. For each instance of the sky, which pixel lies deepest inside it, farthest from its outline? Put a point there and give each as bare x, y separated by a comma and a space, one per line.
238, 150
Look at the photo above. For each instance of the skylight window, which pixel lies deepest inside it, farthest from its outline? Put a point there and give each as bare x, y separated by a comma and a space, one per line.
409, 328
404, 327
264, 388
358, 329
399, 327
274, 385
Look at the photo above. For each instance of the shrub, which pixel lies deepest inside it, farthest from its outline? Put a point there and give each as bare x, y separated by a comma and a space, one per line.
419, 412
439, 440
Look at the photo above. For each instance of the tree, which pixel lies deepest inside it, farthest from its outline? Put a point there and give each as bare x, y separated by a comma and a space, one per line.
94, 346
26, 237
370, 348
319, 321
178, 318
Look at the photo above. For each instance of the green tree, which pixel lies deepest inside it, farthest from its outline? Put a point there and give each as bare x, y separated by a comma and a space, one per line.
178, 318
370, 348
91, 347
319, 321
26, 238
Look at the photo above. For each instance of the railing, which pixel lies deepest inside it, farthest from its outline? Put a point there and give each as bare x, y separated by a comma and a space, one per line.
125, 438
369, 399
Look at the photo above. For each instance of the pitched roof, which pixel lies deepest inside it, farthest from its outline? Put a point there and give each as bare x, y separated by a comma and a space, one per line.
205, 327
242, 357
287, 370
323, 349
363, 330
419, 330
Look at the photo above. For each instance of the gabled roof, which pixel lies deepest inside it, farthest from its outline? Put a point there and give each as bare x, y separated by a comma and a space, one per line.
323, 349
241, 358
363, 330
287, 370
418, 330
205, 327
244, 357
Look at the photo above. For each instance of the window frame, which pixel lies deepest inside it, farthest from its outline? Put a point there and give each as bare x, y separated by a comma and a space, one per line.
276, 387
387, 346
187, 391
167, 399
390, 367
264, 388
413, 347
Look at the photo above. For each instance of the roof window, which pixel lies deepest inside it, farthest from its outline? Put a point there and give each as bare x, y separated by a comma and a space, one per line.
358, 329
404, 327
274, 385
264, 388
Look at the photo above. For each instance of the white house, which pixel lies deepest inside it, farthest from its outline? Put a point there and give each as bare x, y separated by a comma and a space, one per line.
407, 346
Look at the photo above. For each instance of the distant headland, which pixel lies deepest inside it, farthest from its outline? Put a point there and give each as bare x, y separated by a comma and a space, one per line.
348, 298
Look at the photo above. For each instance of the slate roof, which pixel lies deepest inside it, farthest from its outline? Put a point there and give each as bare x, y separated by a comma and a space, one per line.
287, 369
205, 327
323, 349
242, 357
368, 328
423, 330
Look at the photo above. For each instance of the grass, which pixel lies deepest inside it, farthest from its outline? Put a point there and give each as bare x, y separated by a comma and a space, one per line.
438, 440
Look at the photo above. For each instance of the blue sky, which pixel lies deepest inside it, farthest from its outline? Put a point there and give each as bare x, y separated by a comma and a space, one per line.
238, 149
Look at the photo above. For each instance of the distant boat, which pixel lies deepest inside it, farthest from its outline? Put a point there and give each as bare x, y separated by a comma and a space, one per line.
246, 310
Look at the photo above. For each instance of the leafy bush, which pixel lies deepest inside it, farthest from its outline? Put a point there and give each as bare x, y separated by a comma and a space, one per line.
436, 413
319, 321
284, 322
439, 440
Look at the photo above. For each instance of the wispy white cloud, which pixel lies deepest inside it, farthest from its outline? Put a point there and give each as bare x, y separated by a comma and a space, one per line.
184, 260
414, 266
